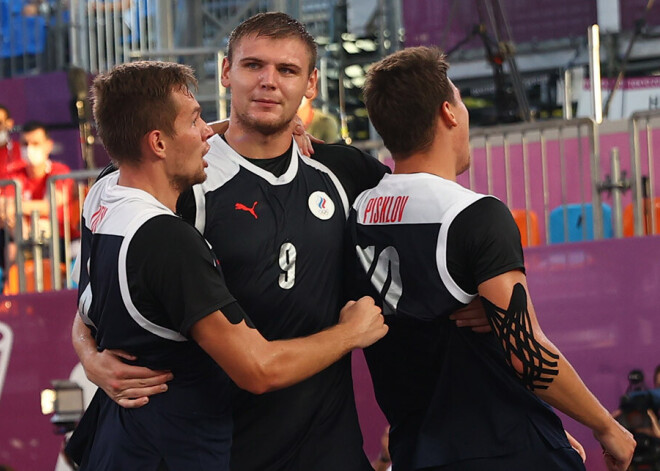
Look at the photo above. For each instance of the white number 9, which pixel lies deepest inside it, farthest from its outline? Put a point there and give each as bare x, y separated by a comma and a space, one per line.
288, 265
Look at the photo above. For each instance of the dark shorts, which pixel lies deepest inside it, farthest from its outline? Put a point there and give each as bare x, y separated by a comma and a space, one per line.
110, 438
562, 459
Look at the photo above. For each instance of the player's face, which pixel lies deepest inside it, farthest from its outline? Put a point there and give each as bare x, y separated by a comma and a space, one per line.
462, 142
184, 163
268, 78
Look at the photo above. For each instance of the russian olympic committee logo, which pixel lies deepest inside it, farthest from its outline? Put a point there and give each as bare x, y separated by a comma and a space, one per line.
321, 205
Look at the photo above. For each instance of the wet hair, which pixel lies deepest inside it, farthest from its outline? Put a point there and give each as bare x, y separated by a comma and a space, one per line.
134, 99
273, 25
403, 93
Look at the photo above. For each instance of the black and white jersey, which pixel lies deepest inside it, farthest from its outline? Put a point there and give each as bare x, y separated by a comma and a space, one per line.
421, 246
145, 278
280, 242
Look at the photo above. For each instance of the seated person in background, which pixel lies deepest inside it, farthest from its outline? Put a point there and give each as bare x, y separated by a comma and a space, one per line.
317, 123
10, 151
33, 172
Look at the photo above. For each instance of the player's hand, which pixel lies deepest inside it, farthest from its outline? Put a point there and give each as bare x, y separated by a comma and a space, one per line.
365, 321
618, 446
577, 446
129, 386
474, 316
302, 137
219, 127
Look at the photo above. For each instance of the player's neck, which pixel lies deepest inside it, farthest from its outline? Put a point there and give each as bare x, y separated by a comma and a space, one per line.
153, 182
440, 162
254, 144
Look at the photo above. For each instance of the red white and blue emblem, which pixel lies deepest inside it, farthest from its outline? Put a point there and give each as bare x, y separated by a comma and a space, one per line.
321, 205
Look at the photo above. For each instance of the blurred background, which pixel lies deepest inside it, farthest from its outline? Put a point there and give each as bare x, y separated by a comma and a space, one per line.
564, 101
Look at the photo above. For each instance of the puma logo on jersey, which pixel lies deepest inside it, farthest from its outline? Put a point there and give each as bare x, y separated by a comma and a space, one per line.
242, 207
385, 209
97, 217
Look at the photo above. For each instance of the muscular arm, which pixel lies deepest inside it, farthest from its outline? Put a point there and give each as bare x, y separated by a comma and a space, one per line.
542, 367
258, 365
127, 385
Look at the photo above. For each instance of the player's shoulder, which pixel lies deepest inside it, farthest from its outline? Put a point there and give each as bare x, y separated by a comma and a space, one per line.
177, 229
340, 153
179, 234
487, 207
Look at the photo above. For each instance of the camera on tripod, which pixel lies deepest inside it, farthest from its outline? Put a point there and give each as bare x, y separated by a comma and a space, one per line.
639, 415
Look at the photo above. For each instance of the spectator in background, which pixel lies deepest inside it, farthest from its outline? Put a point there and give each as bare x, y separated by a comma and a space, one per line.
656, 377
33, 172
10, 151
317, 123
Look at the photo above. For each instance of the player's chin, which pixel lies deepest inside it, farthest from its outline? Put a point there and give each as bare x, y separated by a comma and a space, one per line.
200, 177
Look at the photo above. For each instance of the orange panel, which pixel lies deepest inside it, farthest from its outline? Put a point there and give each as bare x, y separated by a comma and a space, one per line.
629, 221
520, 216
11, 286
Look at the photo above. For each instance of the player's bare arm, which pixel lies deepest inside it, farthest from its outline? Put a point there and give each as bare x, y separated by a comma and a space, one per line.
258, 365
544, 370
129, 386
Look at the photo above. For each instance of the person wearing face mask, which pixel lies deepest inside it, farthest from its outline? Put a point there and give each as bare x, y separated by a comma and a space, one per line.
33, 172
10, 151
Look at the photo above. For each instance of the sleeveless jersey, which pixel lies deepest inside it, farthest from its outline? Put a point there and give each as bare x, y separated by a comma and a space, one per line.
422, 244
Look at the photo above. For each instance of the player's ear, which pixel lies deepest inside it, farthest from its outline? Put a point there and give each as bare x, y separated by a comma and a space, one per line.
155, 143
224, 78
310, 92
447, 115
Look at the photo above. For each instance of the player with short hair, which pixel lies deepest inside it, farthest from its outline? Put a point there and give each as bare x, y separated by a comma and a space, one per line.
276, 220
150, 285
425, 246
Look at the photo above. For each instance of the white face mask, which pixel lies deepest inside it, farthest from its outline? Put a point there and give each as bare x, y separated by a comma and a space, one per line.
36, 155
4, 137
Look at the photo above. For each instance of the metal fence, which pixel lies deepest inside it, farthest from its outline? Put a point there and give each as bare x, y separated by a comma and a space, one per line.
539, 167
33, 37
568, 180
643, 127
41, 250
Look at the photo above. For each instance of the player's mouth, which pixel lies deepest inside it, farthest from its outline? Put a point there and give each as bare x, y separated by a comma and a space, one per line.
266, 103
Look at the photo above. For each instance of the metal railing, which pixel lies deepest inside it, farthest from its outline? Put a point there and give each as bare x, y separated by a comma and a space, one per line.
33, 37
49, 246
17, 233
60, 243
642, 127
527, 156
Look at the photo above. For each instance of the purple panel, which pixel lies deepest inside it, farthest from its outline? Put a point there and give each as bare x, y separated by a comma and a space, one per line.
537, 20
445, 23
597, 301
46, 98
633, 10
41, 328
